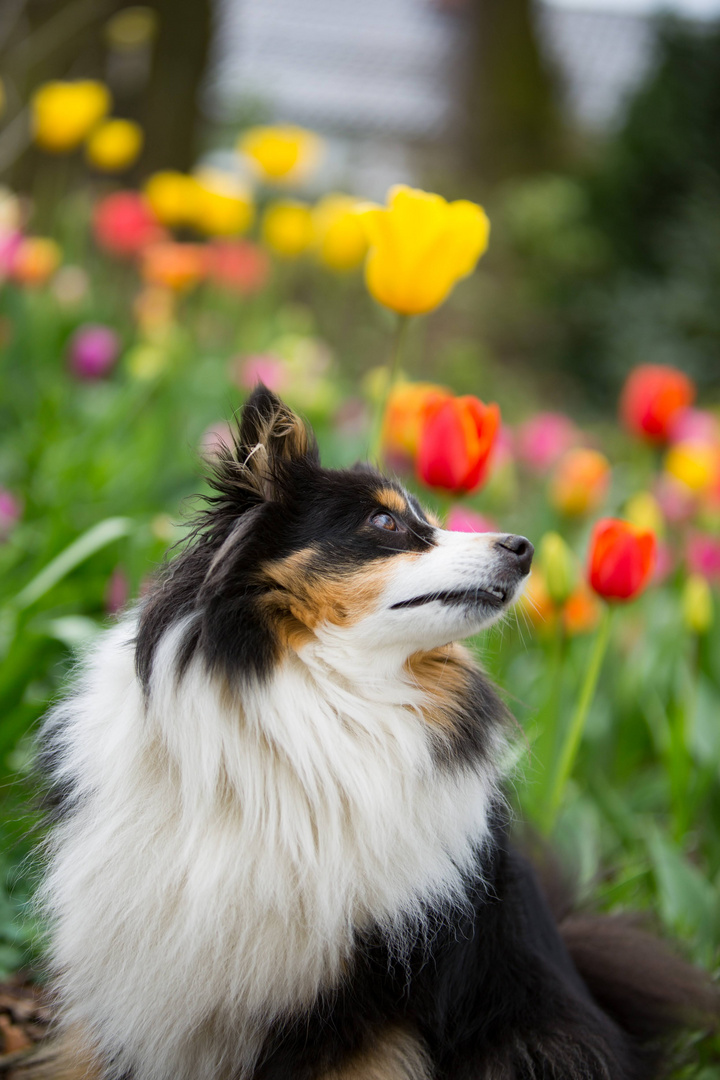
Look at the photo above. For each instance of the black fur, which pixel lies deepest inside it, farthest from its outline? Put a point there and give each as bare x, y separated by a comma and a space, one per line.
490, 989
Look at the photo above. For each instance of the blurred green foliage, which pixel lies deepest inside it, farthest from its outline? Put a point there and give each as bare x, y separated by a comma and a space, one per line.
618, 261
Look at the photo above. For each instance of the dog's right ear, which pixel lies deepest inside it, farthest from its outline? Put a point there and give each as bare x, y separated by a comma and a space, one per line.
270, 435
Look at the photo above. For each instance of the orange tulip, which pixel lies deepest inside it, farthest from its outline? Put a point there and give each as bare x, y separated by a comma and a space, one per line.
653, 398
536, 603
408, 407
580, 482
35, 261
581, 611
621, 559
173, 265
456, 443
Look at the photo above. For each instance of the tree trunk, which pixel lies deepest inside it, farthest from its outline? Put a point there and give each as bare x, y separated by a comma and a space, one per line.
170, 111
512, 124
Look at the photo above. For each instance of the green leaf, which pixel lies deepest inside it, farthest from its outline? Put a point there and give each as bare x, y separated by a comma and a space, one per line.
688, 901
72, 630
96, 538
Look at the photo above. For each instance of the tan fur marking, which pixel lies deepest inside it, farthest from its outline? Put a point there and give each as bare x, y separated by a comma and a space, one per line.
397, 1054
433, 518
392, 500
306, 595
65, 1058
443, 675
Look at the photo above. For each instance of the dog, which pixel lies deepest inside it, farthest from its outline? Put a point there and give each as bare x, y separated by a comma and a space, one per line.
280, 847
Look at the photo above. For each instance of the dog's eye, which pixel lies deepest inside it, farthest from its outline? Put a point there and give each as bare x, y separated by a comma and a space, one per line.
383, 520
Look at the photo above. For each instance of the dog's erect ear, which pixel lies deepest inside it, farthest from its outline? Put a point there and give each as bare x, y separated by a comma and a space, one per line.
270, 435
270, 429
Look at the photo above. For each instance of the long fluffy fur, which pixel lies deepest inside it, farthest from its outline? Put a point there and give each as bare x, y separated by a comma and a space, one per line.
280, 846
221, 858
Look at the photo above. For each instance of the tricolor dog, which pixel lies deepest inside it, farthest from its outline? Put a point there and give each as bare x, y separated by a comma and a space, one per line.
281, 848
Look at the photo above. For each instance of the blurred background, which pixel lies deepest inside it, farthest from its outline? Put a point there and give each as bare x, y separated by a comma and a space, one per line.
181, 187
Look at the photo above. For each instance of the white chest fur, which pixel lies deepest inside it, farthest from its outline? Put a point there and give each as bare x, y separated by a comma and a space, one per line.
223, 856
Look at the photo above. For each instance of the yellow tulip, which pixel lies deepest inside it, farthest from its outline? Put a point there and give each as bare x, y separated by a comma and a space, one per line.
114, 145
697, 604
173, 197
282, 153
420, 246
287, 228
694, 464
64, 113
223, 206
340, 240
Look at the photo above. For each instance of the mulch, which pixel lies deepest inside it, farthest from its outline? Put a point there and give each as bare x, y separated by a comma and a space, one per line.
25, 1018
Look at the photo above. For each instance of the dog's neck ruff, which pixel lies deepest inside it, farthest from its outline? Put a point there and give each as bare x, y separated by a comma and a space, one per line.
224, 851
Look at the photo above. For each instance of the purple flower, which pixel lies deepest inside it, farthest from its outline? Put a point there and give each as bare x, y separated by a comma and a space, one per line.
10, 512
93, 350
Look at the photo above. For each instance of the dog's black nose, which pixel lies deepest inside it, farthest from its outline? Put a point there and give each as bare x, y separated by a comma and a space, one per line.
521, 548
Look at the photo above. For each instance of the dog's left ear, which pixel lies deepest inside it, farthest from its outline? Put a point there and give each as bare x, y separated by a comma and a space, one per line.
270, 435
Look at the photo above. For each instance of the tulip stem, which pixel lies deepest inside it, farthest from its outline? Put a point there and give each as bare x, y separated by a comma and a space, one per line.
574, 733
393, 366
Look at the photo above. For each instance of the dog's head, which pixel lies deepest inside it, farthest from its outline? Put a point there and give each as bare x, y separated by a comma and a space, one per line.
289, 553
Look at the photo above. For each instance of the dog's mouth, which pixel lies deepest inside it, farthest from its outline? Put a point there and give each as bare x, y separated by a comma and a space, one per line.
473, 596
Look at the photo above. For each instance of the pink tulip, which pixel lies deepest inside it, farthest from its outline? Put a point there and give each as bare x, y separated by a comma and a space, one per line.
462, 520
10, 512
10, 242
117, 591
664, 563
695, 425
93, 350
215, 439
703, 556
676, 501
542, 440
248, 371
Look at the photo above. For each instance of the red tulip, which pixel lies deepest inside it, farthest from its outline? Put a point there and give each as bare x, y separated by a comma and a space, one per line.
238, 266
456, 443
621, 559
124, 224
652, 399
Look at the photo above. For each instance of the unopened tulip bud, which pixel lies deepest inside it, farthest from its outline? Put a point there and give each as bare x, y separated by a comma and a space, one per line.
558, 566
697, 604
643, 510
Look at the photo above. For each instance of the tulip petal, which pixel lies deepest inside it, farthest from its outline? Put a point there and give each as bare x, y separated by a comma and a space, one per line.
469, 234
